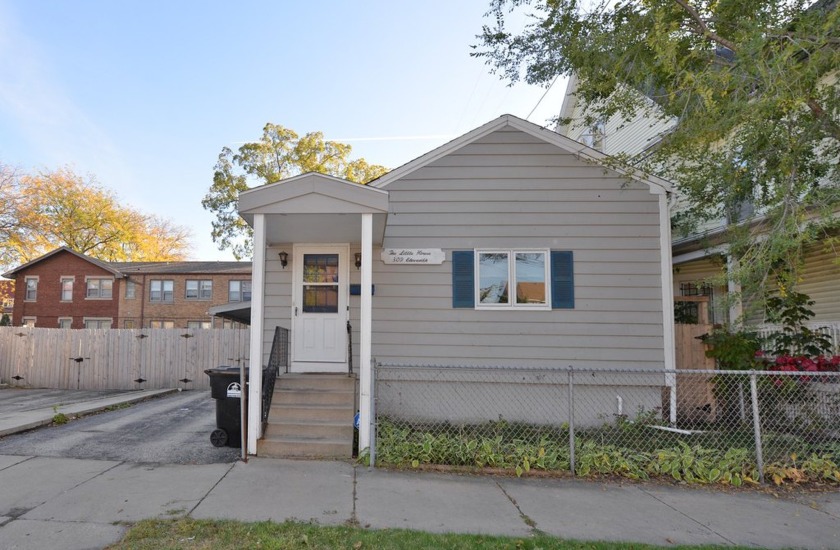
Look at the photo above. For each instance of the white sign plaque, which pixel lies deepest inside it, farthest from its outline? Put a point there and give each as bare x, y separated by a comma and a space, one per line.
432, 256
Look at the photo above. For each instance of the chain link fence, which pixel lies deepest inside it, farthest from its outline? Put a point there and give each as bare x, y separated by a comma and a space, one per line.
697, 425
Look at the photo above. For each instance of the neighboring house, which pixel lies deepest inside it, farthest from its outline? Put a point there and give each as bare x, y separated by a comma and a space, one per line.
180, 294
66, 289
441, 243
700, 259
616, 136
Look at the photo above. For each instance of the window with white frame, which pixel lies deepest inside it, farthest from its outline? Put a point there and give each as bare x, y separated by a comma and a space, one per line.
93, 322
65, 322
31, 293
28, 322
161, 290
130, 290
239, 291
512, 279
199, 290
99, 289
158, 323
67, 289
198, 324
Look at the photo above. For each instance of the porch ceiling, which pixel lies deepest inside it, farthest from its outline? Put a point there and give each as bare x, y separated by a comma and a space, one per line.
315, 208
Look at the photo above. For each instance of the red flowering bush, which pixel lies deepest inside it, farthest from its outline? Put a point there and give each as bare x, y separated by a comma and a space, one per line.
802, 363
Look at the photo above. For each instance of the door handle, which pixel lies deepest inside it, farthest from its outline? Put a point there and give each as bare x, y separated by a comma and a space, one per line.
296, 311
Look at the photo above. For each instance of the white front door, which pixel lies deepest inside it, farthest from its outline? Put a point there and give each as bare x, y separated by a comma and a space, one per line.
319, 308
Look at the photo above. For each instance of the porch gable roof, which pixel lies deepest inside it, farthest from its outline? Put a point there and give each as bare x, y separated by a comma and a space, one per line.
315, 207
312, 193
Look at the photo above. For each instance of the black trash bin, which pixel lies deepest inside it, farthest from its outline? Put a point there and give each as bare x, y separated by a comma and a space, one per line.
226, 390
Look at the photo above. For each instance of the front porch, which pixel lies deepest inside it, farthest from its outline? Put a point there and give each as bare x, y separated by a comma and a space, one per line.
313, 239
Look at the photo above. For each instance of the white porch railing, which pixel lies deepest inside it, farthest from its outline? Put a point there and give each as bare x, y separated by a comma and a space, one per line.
830, 328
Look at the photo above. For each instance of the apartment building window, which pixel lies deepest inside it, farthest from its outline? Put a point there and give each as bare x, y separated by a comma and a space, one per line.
161, 324
199, 290
97, 322
28, 322
130, 290
31, 294
198, 324
239, 291
100, 289
161, 290
67, 289
129, 323
65, 322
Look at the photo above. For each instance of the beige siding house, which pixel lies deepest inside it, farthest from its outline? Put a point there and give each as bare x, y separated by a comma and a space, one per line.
509, 246
696, 263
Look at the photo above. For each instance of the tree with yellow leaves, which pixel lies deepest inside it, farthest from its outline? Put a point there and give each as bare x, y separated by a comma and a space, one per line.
60, 208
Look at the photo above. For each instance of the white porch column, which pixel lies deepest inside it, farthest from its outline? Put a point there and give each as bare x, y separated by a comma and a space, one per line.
257, 323
668, 302
365, 332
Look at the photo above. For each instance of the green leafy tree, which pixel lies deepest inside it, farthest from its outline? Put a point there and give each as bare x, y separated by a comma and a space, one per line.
753, 86
280, 153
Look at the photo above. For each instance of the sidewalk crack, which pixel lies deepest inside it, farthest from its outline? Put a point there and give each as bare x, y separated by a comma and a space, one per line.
651, 495
354, 520
210, 490
522, 515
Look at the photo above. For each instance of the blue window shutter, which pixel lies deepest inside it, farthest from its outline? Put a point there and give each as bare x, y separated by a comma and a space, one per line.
463, 279
562, 280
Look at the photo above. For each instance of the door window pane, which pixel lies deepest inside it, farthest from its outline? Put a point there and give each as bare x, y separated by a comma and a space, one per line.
320, 268
530, 278
320, 299
493, 275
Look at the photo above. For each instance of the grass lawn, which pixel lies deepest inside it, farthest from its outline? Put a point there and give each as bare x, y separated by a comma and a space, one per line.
206, 534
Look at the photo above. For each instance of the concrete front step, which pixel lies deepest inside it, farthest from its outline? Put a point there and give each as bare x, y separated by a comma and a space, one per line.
311, 416
310, 430
308, 413
313, 397
316, 382
289, 447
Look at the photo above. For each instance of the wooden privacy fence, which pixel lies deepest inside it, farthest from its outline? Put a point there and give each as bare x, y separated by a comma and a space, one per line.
124, 359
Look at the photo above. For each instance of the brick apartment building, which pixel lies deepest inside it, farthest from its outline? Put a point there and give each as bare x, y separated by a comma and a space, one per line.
66, 289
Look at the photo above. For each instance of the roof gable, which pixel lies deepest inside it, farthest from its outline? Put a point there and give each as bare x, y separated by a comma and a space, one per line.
98, 263
312, 193
656, 184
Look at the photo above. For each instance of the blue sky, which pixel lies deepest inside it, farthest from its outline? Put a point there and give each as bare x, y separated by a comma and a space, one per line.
143, 95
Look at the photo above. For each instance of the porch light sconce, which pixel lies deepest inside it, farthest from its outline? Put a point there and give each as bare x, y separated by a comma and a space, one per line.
284, 259
358, 260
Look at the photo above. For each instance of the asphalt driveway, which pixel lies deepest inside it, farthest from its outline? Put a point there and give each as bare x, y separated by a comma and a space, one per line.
173, 429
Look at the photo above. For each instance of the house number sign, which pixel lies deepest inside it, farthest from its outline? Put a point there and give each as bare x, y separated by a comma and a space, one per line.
433, 256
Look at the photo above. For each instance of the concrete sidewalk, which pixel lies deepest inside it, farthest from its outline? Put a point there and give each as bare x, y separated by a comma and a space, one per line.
16, 419
71, 503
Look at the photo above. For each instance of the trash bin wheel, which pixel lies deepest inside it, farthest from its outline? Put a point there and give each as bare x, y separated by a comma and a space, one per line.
219, 438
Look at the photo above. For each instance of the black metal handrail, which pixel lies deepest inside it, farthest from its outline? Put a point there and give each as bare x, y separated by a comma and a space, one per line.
349, 348
279, 357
